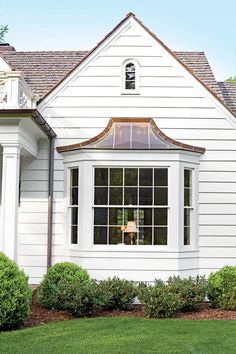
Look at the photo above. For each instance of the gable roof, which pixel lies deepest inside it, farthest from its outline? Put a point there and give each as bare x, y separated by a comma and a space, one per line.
228, 90
44, 71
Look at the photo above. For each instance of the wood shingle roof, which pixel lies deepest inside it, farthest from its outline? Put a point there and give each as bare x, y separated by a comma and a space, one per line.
42, 70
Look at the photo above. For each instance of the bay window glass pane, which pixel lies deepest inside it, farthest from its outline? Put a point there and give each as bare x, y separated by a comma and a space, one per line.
186, 235
100, 235
130, 196
145, 196
161, 196
100, 216
145, 216
160, 236
161, 177
115, 216
74, 216
74, 234
115, 235
131, 176
74, 177
74, 196
187, 197
116, 176
101, 176
187, 178
130, 239
145, 176
101, 196
145, 235
116, 196
130, 214
160, 216
187, 217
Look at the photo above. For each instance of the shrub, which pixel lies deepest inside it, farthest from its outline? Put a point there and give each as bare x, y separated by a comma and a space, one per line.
117, 293
83, 299
15, 294
191, 291
222, 288
59, 282
158, 301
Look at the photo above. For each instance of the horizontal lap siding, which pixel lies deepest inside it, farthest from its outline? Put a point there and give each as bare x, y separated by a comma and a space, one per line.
33, 213
181, 109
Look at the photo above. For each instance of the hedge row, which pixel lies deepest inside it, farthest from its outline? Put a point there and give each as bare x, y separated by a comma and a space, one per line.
69, 287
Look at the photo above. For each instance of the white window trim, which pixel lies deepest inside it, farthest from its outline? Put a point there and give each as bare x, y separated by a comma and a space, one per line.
136, 91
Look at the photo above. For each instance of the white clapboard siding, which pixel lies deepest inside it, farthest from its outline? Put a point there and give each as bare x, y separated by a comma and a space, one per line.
168, 112
183, 110
216, 230
207, 209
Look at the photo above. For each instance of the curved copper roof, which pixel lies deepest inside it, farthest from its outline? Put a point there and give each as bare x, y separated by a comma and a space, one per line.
131, 134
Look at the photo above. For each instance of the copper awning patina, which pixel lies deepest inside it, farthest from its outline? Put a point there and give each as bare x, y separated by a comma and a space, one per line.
131, 134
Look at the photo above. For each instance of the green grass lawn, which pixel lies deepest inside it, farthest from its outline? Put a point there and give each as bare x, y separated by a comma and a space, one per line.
123, 335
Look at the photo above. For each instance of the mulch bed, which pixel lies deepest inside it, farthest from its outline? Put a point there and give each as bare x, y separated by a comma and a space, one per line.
40, 315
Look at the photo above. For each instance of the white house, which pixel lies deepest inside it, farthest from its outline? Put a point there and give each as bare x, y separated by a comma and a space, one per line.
121, 159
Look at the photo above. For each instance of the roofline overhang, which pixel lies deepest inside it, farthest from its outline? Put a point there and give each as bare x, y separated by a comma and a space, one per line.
29, 113
85, 144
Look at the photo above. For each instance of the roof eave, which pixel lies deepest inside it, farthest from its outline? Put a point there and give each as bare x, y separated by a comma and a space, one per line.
35, 115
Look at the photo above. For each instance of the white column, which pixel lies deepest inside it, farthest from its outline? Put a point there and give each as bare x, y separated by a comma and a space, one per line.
10, 195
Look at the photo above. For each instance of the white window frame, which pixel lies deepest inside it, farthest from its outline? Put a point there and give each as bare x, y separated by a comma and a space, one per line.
175, 161
135, 91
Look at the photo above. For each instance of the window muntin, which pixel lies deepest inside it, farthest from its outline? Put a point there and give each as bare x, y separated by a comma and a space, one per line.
131, 194
74, 204
187, 205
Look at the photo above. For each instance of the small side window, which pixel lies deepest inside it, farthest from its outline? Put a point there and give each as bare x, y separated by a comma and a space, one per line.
130, 77
74, 204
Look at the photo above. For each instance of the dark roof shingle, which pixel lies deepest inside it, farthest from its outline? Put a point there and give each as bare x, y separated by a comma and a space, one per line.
228, 90
42, 70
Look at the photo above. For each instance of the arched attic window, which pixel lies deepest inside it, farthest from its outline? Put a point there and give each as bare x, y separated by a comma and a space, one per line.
130, 77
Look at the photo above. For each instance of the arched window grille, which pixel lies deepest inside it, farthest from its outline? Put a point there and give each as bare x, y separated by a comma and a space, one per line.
130, 77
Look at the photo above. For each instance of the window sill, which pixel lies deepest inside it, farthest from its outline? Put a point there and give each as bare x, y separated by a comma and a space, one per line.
130, 93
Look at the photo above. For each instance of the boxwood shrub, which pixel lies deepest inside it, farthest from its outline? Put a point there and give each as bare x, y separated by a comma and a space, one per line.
222, 288
158, 301
191, 291
117, 293
60, 284
15, 294
84, 299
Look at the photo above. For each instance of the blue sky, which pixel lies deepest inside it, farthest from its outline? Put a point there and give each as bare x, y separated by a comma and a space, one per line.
207, 25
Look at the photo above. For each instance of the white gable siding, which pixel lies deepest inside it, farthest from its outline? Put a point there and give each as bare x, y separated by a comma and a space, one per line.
80, 109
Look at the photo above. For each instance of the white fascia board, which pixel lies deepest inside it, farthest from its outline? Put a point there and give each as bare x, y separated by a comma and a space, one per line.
124, 27
134, 157
4, 66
